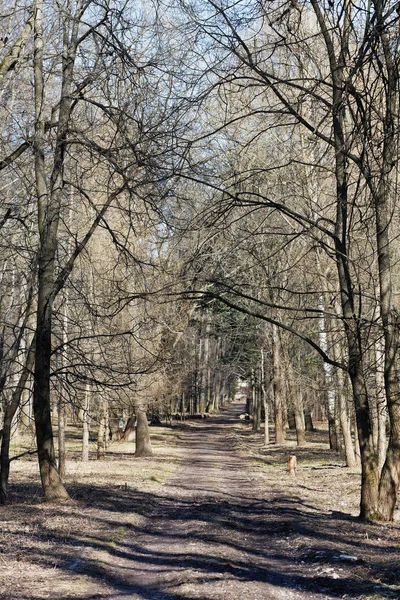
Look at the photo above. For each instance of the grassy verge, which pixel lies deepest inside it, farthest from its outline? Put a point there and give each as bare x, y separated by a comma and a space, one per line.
60, 549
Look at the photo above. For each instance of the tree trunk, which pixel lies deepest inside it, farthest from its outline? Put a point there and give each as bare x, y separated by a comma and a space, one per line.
382, 196
86, 424
351, 319
345, 423
328, 371
130, 429
107, 429
265, 400
101, 434
143, 444
279, 387
11, 409
381, 404
49, 206
26, 408
299, 418
183, 407
61, 438
291, 420
308, 420
369, 461
256, 403
351, 460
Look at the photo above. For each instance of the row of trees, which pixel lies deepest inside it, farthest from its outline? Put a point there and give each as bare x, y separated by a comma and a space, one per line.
316, 84
195, 192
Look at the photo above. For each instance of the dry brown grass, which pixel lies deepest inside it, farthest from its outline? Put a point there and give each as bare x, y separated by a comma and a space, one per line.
42, 545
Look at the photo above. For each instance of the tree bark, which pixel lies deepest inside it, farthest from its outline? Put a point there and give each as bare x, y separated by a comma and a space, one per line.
308, 420
279, 387
49, 206
13, 56
351, 460
86, 424
61, 438
11, 409
265, 400
328, 370
143, 444
381, 404
390, 477
130, 429
256, 403
344, 417
101, 434
353, 326
299, 418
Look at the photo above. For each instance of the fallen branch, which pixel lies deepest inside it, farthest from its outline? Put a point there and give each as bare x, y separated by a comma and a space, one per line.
23, 454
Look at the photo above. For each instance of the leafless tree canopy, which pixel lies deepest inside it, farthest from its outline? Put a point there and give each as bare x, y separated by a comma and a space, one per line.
199, 199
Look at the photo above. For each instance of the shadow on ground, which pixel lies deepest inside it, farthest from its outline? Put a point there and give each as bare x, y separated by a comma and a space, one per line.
254, 529
200, 532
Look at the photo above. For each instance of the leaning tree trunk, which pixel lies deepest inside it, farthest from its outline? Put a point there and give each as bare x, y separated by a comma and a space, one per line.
130, 429
143, 444
8, 419
15, 402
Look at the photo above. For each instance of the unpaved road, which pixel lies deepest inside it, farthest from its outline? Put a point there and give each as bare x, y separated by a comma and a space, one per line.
215, 529
217, 533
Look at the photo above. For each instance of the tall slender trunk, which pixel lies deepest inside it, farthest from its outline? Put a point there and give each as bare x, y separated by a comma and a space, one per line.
381, 404
61, 438
8, 419
328, 372
264, 399
256, 403
279, 387
351, 318
86, 424
201, 378
26, 407
351, 460
101, 434
344, 417
299, 416
49, 206
390, 477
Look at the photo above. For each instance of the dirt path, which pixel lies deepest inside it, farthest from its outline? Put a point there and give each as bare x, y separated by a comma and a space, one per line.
216, 528
217, 533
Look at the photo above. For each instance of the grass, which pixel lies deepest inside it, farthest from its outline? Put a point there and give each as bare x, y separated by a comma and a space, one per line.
120, 468
109, 498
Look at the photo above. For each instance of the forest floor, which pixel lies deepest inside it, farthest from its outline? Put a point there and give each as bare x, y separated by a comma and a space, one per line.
212, 516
